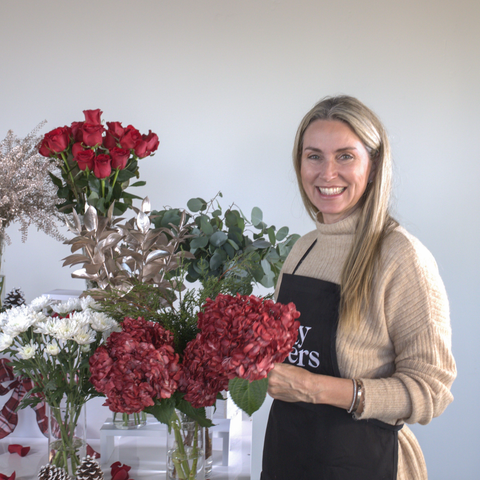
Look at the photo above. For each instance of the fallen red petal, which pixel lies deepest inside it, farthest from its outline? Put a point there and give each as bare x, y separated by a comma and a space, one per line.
21, 450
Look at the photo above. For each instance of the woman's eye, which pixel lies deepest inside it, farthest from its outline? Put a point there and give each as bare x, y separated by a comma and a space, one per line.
346, 156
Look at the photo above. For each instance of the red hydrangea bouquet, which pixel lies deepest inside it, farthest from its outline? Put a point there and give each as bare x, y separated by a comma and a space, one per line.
239, 340
96, 163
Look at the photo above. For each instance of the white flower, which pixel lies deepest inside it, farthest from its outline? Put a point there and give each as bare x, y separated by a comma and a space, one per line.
40, 303
102, 322
62, 328
27, 351
84, 336
19, 320
88, 302
66, 307
5, 341
52, 349
85, 348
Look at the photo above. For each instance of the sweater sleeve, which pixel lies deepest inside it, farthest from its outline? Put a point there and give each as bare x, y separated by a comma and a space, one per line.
416, 312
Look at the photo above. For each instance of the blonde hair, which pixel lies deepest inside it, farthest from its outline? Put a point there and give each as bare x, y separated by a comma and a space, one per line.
375, 221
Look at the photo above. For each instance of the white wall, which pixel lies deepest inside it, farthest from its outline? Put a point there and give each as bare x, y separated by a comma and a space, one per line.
225, 83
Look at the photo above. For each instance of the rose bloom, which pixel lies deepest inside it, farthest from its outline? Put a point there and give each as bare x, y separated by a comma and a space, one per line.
93, 116
85, 159
102, 167
92, 134
55, 141
77, 133
130, 137
120, 157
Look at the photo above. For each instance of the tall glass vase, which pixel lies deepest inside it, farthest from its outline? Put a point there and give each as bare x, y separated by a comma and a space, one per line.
185, 449
129, 421
67, 443
2, 276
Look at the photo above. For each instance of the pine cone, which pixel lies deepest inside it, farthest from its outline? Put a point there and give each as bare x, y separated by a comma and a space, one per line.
50, 472
89, 469
15, 298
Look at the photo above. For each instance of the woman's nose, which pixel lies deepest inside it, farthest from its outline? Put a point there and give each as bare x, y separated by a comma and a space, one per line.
328, 170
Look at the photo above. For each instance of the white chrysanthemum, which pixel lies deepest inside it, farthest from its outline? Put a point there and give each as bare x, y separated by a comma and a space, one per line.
27, 351
85, 348
52, 349
88, 302
102, 322
5, 341
40, 303
63, 328
19, 320
85, 336
68, 306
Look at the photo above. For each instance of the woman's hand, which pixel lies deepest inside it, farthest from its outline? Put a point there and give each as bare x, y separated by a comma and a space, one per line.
294, 384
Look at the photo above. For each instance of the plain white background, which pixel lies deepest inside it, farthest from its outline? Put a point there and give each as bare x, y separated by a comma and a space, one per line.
225, 83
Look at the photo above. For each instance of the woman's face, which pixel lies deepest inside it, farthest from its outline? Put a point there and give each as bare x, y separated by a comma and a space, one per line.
335, 168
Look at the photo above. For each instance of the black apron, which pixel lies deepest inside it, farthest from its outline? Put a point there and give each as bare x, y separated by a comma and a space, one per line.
304, 441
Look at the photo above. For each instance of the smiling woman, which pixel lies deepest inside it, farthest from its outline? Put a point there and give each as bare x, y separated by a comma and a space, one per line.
374, 345
335, 168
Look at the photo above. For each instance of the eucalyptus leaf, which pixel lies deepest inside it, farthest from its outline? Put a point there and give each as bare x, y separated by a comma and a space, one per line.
196, 204
205, 226
282, 234
257, 216
218, 239
199, 242
248, 396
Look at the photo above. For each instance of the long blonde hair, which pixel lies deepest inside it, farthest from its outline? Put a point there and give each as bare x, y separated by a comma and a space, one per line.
375, 221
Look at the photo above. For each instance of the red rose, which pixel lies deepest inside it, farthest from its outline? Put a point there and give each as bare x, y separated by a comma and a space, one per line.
77, 133
84, 159
93, 116
120, 157
92, 134
130, 138
116, 129
77, 148
56, 141
43, 149
102, 167
152, 142
141, 149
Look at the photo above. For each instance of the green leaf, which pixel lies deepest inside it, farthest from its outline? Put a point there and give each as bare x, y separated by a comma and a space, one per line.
199, 242
205, 226
282, 234
140, 183
271, 235
218, 239
197, 414
261, 243
163, 410
231, 218
217, 260
216, 213
257, 216
248, 396
56, 181
196, 204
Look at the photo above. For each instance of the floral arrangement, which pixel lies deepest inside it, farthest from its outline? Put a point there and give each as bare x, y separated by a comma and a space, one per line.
96, 163
26, 192
50, 343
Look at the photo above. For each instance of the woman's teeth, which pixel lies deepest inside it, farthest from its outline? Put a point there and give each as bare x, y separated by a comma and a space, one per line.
331, 191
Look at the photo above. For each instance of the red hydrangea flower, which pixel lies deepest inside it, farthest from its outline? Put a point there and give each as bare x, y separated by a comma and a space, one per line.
242, 336
137, 365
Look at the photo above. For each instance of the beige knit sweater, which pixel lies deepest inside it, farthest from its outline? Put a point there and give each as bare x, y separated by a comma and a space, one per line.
402, 350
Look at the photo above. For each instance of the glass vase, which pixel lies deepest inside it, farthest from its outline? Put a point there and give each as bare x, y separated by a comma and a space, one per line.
185, 449
129, 421
2, 276
208, 444
67, 443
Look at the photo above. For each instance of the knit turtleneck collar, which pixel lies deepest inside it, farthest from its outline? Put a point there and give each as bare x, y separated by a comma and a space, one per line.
347, 226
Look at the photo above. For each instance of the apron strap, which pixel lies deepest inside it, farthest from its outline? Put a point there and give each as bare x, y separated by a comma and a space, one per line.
304, 256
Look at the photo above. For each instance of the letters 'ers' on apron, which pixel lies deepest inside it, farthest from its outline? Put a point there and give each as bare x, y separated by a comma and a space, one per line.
305, 441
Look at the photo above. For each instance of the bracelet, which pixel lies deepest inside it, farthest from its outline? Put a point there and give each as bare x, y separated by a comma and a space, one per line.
354, 399
359, 395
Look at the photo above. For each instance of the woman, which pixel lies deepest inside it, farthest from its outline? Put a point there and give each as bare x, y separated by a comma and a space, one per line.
374, 346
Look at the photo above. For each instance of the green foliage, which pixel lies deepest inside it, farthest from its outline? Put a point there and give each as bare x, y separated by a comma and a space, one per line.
248, 396
222, 241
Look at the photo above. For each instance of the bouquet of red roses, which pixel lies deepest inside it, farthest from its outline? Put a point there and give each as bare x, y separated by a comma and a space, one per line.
239, 339
96, 163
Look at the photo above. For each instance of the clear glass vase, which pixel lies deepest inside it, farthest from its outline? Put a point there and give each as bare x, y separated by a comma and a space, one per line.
185, 449
129, 421
67, 443
208, 444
